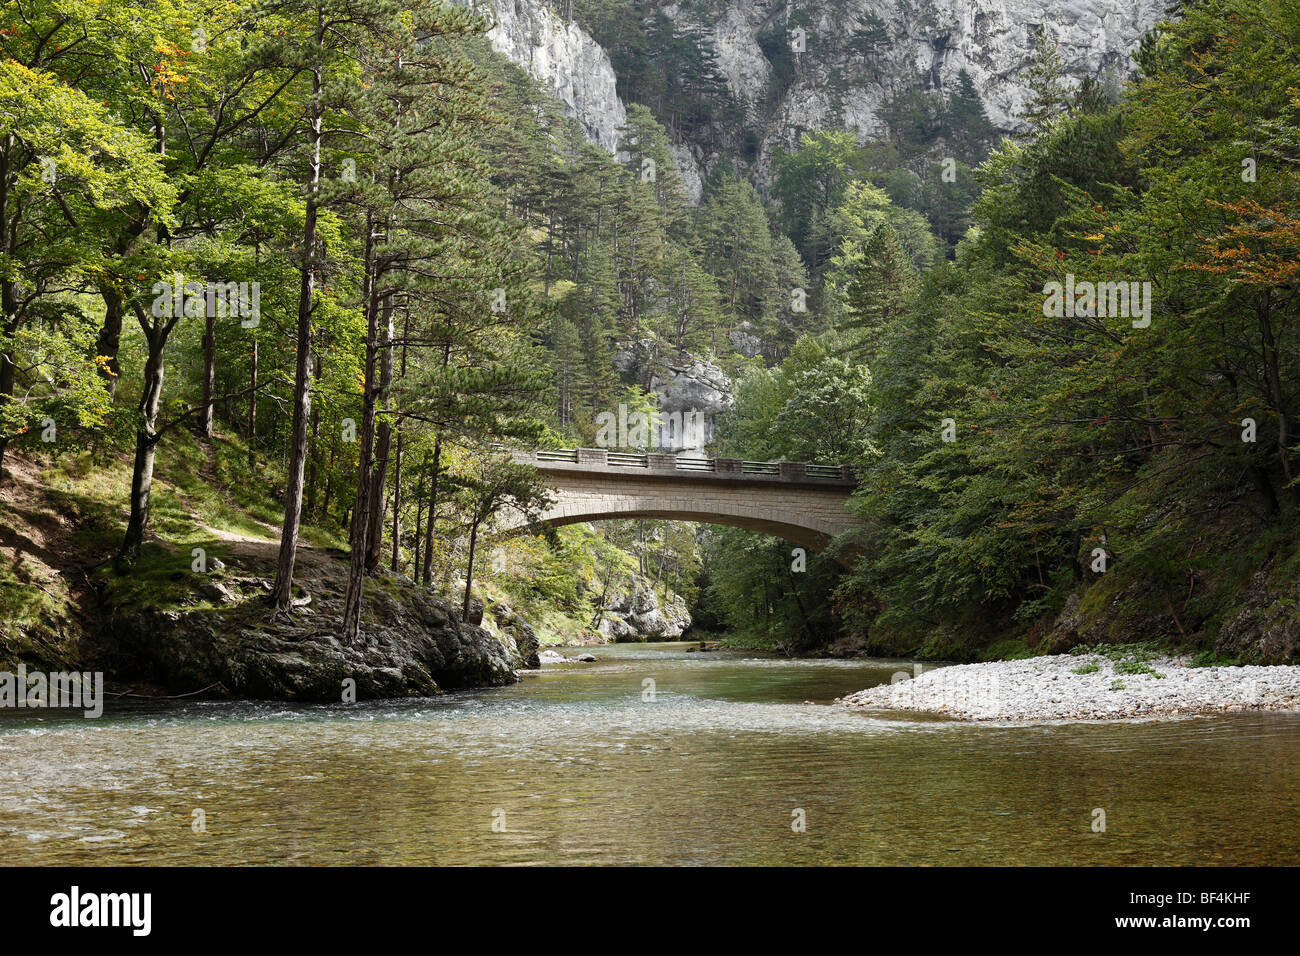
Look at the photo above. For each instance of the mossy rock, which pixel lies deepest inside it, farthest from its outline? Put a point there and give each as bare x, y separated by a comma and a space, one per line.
182, 639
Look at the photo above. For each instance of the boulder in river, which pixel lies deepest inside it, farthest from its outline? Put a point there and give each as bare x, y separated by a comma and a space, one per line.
549, 656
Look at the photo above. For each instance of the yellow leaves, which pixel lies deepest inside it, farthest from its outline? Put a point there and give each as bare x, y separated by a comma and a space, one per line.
165, 77
165, 80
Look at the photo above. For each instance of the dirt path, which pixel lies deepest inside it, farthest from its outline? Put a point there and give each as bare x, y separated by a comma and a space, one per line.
209, 473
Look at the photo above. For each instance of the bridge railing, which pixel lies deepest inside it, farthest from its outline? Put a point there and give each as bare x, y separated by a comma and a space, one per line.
824, 471
626, 460
696, 464
667, 461
557, 454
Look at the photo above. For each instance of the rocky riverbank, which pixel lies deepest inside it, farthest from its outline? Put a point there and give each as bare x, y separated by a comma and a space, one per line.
1085, 687
177, 631
633, 611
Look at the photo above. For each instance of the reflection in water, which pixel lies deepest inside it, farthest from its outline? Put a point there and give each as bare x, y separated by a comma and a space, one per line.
582, 769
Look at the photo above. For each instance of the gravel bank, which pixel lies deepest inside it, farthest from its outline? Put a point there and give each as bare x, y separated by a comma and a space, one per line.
1051, 688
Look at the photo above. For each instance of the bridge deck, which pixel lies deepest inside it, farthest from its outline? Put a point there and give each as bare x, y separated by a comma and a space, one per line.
669, 466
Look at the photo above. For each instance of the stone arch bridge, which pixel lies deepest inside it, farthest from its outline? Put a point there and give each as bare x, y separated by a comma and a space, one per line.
799, 502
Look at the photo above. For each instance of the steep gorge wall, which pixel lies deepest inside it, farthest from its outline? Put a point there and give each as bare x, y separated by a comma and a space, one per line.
563, 57
839, 79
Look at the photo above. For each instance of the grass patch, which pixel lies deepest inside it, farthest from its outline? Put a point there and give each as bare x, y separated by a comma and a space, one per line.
1213, 659
1141, 651
1128, 659
1136, 667
31, 616
162, 578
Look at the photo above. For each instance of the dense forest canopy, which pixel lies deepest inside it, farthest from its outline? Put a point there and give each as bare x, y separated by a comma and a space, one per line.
347, 239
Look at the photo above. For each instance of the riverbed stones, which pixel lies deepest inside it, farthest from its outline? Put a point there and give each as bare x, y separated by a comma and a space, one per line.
549, 656
1084, 687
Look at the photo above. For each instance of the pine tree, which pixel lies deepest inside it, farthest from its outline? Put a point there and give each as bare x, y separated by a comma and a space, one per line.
437, 247
738, 248
881, 287
1044, 77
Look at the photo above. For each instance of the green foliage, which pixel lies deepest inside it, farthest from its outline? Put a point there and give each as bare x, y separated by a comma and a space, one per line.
1136, 667
473, 274
1210, 658
809, 183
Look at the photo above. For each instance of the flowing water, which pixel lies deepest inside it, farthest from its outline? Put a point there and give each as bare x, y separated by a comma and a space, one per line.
719, 760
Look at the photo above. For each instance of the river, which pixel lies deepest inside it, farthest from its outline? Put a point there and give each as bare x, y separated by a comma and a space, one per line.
718, 761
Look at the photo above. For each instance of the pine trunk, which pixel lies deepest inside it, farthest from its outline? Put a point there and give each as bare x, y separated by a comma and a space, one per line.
469, 568
209, 374
433, 511
383, 446
359, 527
282, 594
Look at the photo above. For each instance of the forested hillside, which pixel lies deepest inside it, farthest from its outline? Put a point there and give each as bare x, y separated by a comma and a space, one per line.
1039, 472
290, 275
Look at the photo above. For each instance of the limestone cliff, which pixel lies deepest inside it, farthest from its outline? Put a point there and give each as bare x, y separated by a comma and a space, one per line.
563, 57
690, 394
834, 63
635, 612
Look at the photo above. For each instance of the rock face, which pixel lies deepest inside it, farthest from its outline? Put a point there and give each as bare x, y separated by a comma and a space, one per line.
1262, 626
856, 54
412, 641
513, 631
563, 57
637, 615
744, 341
1265, 628
689, 390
